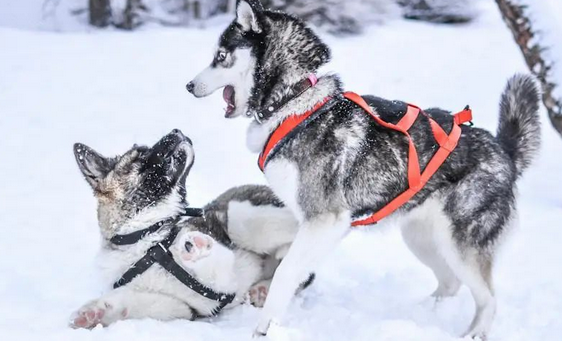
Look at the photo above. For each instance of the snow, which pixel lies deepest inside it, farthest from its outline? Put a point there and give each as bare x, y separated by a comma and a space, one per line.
111, 89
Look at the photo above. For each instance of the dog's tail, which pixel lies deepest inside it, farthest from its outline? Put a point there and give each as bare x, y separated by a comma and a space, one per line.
519, 126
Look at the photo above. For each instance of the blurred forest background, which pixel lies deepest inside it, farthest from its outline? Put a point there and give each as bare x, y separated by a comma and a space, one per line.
535, 24
336, 16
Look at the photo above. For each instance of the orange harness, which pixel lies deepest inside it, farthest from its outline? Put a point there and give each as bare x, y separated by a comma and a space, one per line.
416, 179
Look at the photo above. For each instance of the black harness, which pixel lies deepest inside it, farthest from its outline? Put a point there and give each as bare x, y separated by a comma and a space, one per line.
160, 254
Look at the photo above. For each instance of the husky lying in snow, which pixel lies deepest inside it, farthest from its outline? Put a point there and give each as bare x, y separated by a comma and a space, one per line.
233, 248
342, 164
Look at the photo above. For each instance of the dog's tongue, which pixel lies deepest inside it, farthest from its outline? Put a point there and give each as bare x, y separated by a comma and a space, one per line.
228, 95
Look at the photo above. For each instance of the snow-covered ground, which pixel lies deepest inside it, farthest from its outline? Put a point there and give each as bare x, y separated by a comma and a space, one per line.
112, 89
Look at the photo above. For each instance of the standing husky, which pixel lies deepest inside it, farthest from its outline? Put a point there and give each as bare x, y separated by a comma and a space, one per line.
234, 245
341, 164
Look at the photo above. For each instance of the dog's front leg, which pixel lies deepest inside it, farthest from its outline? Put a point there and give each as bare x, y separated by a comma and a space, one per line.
125, 303
315, 239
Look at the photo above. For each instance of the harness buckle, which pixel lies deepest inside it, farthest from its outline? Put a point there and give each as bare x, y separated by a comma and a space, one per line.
163, 247
464, 116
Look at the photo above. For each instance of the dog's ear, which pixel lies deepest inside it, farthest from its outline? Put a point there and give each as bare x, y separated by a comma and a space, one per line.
92, 164
247, 15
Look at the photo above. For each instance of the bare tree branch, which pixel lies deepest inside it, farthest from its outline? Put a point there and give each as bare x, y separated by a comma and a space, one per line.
523, 33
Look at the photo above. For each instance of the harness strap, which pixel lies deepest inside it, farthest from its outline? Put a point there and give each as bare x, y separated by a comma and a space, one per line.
416, 180
284, 129
160, 254
134, 237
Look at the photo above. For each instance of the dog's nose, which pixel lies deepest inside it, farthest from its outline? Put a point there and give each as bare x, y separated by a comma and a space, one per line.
190, 87
179, 133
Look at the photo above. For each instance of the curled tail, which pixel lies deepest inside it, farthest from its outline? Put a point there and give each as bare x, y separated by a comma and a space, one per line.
519, 126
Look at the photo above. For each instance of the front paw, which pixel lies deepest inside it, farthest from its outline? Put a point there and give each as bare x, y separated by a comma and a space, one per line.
94, 313
195, 246
258, 293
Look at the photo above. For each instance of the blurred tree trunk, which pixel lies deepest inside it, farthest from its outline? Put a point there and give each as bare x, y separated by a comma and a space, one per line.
131, 14
197, 10
523, 33
100, 12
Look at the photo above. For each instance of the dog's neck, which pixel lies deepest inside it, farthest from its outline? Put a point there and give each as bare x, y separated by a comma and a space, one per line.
292, 51
258, 132
111, 223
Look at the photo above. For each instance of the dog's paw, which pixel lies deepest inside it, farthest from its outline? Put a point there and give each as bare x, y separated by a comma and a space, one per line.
262, 328
258, 293
195, 246
94, 313
476, 336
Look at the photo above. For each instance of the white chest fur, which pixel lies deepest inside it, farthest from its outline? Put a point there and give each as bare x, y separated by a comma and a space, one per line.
283, 178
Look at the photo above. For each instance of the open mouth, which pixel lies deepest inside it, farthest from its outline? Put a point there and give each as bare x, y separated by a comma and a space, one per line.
228, 95
181, 142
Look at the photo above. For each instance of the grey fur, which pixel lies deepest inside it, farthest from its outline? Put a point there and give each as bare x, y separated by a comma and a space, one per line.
215, 219
346, 163
519, 128
146, 185
125, 187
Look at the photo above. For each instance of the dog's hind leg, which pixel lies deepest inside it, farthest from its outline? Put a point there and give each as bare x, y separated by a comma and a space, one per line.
315, 239
125, 303
475, 272
427, 251
426, 232
261, 229
481, 208
429, 232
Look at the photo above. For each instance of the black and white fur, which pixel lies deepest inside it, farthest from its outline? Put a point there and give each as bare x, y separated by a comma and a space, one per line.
344, 164
233, 248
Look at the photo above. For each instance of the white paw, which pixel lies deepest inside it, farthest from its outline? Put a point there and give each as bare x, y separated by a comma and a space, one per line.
194, 246
262, 328
476, 335
94, 313
444, 291
258, 293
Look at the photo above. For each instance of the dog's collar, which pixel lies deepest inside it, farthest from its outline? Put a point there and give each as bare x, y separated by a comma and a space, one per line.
134, 237
297, 90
